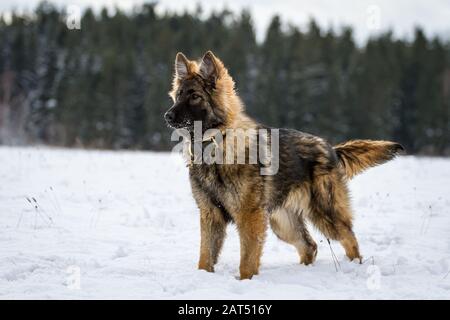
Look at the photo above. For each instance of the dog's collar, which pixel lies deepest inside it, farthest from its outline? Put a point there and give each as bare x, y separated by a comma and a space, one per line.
207, 138
211, 136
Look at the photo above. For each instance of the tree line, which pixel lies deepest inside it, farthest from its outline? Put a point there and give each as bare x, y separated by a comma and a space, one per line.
105, 85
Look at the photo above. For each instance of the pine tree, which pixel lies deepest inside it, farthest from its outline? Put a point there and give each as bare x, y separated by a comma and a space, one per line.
106, 85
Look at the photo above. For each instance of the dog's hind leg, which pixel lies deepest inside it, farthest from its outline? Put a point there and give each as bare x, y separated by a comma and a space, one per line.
330, 212
290, 227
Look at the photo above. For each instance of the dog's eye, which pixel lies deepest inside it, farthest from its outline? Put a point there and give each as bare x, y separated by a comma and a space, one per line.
195, 96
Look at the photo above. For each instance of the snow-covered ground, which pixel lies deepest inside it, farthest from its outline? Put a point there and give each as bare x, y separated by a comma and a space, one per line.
126, 223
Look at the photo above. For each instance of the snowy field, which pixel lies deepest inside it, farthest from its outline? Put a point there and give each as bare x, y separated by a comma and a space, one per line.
90, 224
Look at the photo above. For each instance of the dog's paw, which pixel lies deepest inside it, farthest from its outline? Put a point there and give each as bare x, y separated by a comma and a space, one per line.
308, 256
206, 267
358, 259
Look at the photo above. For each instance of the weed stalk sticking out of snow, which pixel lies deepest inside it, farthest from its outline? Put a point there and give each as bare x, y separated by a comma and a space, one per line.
20, 219
39, 212
56, 201
43, 212
426, 220
333, 255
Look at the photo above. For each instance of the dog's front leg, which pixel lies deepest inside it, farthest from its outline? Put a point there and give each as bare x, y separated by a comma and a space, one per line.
213, 231
252, 231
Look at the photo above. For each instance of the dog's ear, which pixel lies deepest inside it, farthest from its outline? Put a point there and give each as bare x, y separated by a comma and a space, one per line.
208, 67
181, 66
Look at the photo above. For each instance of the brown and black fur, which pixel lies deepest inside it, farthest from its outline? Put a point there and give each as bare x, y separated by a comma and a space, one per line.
311, 182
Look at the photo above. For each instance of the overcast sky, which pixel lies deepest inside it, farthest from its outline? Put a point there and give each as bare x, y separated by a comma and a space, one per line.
366, 16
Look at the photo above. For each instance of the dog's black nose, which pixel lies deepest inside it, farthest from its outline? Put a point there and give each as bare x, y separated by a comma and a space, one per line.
169, 116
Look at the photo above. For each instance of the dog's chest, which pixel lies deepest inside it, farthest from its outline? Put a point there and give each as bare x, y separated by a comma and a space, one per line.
214, 178
221, 185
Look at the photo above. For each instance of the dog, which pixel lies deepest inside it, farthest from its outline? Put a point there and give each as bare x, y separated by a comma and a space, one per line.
310, 182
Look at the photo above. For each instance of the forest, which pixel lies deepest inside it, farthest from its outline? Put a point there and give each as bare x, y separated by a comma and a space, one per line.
106, 85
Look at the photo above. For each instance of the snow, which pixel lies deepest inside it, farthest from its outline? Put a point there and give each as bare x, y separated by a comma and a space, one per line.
124, 225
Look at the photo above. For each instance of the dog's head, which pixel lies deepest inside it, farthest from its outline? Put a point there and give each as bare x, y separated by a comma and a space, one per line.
202, 91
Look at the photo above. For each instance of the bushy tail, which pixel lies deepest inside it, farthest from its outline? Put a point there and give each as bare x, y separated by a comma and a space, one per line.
358, 155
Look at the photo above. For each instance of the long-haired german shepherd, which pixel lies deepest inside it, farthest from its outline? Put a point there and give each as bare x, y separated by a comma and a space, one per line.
311, 181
